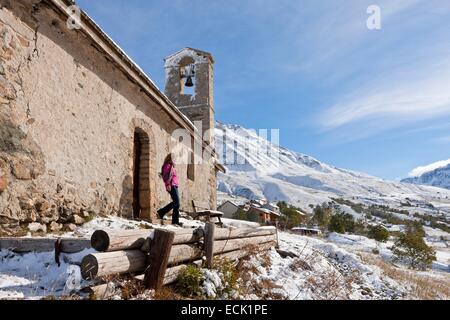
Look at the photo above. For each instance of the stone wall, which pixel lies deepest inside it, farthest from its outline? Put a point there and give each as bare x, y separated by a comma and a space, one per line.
67, 121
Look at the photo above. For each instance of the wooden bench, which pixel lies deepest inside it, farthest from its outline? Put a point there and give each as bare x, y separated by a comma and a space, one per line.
202, 210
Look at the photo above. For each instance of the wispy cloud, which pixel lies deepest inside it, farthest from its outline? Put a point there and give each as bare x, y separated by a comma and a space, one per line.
403, 85
421, 96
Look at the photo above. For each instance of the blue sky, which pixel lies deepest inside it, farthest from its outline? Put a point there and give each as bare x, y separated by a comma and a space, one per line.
373, 101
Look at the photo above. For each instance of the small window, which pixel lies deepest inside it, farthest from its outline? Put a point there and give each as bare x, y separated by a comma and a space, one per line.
191, 167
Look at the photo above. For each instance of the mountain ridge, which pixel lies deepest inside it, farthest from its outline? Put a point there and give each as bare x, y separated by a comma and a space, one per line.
284, 175
439, 177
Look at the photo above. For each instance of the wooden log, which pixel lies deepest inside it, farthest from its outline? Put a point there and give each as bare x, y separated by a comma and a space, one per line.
185, 252
225, 233
173, 273
24, 245
189, 236
104, 241
131, 261
100, 292
209, 243
223, 246
108, 241
158, 259
118, 262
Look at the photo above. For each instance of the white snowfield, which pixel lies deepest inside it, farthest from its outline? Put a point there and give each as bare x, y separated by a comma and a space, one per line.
36, 275
323, 269
278, 174
436, 174
417, 172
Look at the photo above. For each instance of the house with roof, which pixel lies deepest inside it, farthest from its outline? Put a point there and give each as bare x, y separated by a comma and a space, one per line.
228, 208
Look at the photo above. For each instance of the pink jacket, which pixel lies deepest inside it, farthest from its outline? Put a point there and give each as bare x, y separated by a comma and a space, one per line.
169, 175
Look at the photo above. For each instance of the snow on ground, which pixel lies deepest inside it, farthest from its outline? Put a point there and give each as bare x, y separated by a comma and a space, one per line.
323, 270
36, 275
240, 223
330, 268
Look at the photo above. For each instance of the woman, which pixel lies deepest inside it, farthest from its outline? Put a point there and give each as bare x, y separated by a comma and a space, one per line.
169, 175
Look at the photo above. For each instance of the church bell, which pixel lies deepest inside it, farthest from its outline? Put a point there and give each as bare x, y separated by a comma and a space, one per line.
189, 82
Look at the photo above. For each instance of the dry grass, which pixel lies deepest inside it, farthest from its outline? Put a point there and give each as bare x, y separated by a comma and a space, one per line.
300, 264
131, 288
264, 289
420, 286
167, 294
331, 285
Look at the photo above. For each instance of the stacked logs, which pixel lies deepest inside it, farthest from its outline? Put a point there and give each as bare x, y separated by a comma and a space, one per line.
139, 251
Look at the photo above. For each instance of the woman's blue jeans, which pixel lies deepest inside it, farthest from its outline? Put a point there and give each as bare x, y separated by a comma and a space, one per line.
174, 205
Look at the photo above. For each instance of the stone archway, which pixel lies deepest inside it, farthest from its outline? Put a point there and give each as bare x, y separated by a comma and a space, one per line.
143, 171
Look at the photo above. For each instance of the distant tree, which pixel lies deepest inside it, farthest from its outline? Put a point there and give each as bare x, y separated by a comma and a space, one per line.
322, 215
282, 205
240, 214
411, 248
291, 217
254, 217
415, 227
349, 222
342, 223
337, 224
360, 227
379, 233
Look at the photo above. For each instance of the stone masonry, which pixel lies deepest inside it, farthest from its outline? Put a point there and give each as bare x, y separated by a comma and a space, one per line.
73, 108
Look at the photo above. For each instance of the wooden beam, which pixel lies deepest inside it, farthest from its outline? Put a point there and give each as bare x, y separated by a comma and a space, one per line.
23, 245
209, 243
112, 240
173, 273
119, 262
158, 259
228, 233
131, 261
104, 241
188, 236
185, 252
100, 292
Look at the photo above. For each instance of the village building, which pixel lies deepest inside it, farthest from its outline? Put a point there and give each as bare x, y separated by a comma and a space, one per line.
271, 206
262, 215
84, 131
229, 209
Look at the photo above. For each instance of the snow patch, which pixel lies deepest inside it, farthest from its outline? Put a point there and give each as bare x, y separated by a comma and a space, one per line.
417, 172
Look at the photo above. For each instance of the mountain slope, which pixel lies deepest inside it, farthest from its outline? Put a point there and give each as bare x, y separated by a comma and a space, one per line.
439, 177
260, 169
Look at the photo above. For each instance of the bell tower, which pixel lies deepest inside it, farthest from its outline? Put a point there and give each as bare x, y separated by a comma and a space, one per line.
189, 85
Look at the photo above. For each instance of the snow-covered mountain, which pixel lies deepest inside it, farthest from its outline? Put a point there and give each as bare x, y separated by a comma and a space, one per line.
437, 175
260, 169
